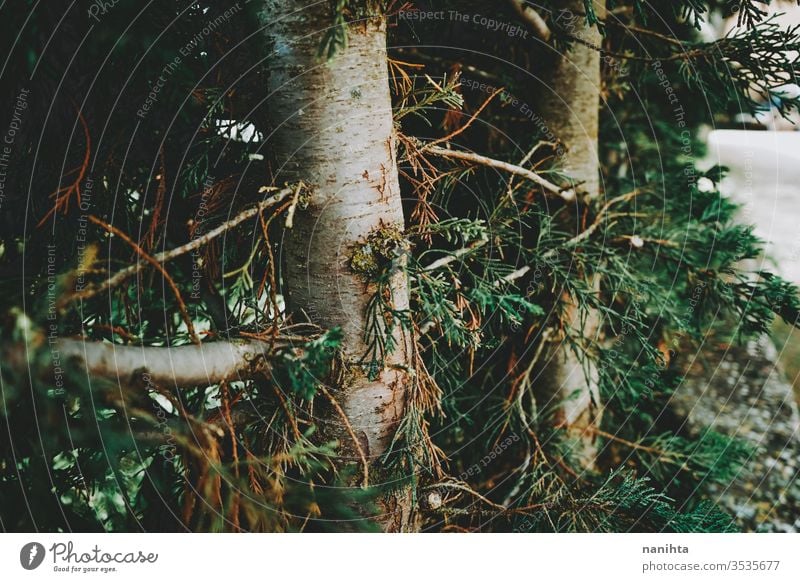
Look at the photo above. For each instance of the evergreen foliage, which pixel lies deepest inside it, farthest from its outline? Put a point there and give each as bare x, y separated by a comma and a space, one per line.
489, 258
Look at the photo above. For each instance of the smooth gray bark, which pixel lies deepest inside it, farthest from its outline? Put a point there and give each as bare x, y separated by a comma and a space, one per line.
571, 105
332, 128
180, 367
571, 108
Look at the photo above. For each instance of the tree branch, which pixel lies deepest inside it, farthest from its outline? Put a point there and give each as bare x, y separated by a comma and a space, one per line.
568, 195
522, 271
194, 244
181, 366
579, 238
141, 252
451, 258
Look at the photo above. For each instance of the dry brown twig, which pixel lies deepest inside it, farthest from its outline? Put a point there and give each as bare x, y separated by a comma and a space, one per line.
62, 195
401, 80
148, 241
424, 179
141, 252
192, 245
469, 122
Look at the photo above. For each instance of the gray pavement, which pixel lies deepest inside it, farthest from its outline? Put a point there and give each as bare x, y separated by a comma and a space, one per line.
740, 390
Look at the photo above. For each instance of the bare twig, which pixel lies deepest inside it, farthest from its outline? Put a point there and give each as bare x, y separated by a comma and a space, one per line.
665, 456
568, 195
685, 55
62, 195
444, 261
194, 244
594, 226
447, 63
466, 489
141, 252
460, 486
295, 199
270, 272
469, 122
511, 277
289, 414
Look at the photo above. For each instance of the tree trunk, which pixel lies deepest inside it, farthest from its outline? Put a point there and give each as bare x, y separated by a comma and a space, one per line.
332, 128
571, 107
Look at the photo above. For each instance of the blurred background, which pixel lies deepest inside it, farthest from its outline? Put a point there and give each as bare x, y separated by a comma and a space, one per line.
752, 392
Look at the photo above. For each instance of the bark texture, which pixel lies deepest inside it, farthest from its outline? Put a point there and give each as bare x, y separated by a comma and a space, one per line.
181, 367
332, 128
571, 104
571, 109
